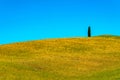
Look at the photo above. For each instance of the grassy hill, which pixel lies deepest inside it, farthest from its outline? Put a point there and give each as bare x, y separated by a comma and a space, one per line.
96, 58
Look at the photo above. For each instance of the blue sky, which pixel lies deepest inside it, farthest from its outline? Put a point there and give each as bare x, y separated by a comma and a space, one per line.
23, 20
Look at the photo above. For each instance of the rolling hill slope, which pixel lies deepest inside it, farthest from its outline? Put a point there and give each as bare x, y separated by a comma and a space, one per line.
96, 58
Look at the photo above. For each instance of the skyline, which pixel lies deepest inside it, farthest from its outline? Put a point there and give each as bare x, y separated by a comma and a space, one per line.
25, 20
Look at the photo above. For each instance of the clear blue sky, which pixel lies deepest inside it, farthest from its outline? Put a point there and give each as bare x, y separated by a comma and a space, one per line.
23, 20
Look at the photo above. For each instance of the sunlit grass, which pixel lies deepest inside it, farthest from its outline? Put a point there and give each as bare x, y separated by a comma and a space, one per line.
96, 58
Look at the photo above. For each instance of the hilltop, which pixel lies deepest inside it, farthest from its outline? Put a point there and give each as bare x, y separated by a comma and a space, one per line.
108, 35
95, 58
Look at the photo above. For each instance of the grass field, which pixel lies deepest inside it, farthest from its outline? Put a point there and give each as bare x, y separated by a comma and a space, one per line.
95, 58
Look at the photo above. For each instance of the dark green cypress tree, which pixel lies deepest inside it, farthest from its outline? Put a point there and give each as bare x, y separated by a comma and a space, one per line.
89, 31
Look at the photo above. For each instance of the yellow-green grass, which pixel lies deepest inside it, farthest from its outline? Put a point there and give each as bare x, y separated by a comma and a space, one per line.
95, 58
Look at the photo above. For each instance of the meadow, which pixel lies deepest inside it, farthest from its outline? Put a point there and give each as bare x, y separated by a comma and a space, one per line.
95, 58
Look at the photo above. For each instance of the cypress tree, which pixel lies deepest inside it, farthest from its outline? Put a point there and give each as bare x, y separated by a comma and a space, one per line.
89, 31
